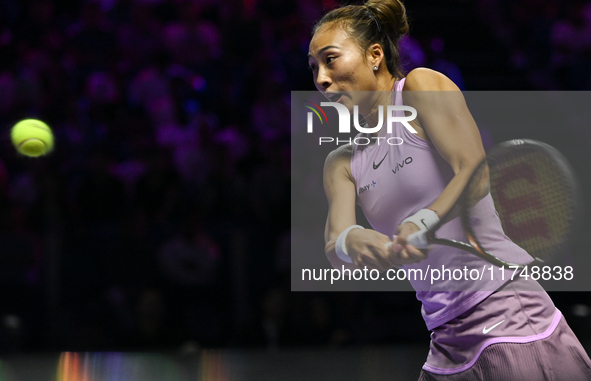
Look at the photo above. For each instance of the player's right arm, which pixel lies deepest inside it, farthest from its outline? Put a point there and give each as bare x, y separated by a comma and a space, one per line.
366, 247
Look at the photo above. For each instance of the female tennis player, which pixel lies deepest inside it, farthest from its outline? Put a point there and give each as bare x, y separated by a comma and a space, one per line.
496, 330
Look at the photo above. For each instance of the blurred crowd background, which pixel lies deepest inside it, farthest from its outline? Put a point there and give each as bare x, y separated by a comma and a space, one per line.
162, 218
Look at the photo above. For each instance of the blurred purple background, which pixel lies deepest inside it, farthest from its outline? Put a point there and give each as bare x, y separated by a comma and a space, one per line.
163, 216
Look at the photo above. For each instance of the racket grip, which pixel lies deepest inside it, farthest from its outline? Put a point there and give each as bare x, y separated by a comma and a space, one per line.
418, 239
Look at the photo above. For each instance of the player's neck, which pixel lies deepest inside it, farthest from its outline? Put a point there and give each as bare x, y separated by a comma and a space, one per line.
384, 99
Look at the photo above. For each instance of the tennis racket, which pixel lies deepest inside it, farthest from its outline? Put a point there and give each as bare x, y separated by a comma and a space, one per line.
535, 194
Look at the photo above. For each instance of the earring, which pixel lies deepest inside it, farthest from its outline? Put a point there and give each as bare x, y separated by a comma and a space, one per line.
375, 67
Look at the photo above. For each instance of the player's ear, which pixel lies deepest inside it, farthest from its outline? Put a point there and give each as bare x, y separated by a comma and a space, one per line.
375, 55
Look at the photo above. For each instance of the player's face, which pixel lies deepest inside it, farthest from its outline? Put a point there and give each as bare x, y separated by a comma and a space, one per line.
340, 67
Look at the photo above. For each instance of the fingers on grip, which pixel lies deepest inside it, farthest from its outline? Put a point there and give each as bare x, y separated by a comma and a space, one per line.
418, 240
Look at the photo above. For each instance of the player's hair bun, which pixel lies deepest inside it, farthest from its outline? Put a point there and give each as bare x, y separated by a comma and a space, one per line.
391, 14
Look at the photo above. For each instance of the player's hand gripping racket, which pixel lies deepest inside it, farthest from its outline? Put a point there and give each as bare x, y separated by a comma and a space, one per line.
535, 194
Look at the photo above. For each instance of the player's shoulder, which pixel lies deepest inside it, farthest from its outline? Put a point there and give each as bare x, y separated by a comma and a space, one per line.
424, 79
340, 154
339, 157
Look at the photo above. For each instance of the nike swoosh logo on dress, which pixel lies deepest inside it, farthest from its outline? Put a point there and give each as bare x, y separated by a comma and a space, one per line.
380, 163
487, 330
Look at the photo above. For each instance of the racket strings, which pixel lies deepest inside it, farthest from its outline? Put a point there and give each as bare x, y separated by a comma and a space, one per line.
533, 199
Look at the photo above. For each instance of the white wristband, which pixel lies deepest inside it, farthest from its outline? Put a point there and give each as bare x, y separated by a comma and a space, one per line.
425, 219
340, 247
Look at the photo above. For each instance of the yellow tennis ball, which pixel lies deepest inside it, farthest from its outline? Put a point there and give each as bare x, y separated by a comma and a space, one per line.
32, 137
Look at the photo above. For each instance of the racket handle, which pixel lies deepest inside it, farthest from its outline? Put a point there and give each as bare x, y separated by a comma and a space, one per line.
418, 239
415, 240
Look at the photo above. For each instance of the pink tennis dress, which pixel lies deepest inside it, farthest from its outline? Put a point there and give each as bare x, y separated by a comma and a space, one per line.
465, 316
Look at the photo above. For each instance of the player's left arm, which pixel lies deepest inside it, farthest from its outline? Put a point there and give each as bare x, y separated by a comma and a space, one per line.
444, 119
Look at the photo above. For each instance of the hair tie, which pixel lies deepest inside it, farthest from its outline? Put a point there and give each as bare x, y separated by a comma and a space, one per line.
373, 17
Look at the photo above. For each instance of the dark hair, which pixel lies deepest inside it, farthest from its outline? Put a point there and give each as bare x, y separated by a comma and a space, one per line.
377, 21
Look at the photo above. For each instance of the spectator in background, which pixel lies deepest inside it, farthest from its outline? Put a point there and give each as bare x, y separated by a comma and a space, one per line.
548, 40
571, 42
